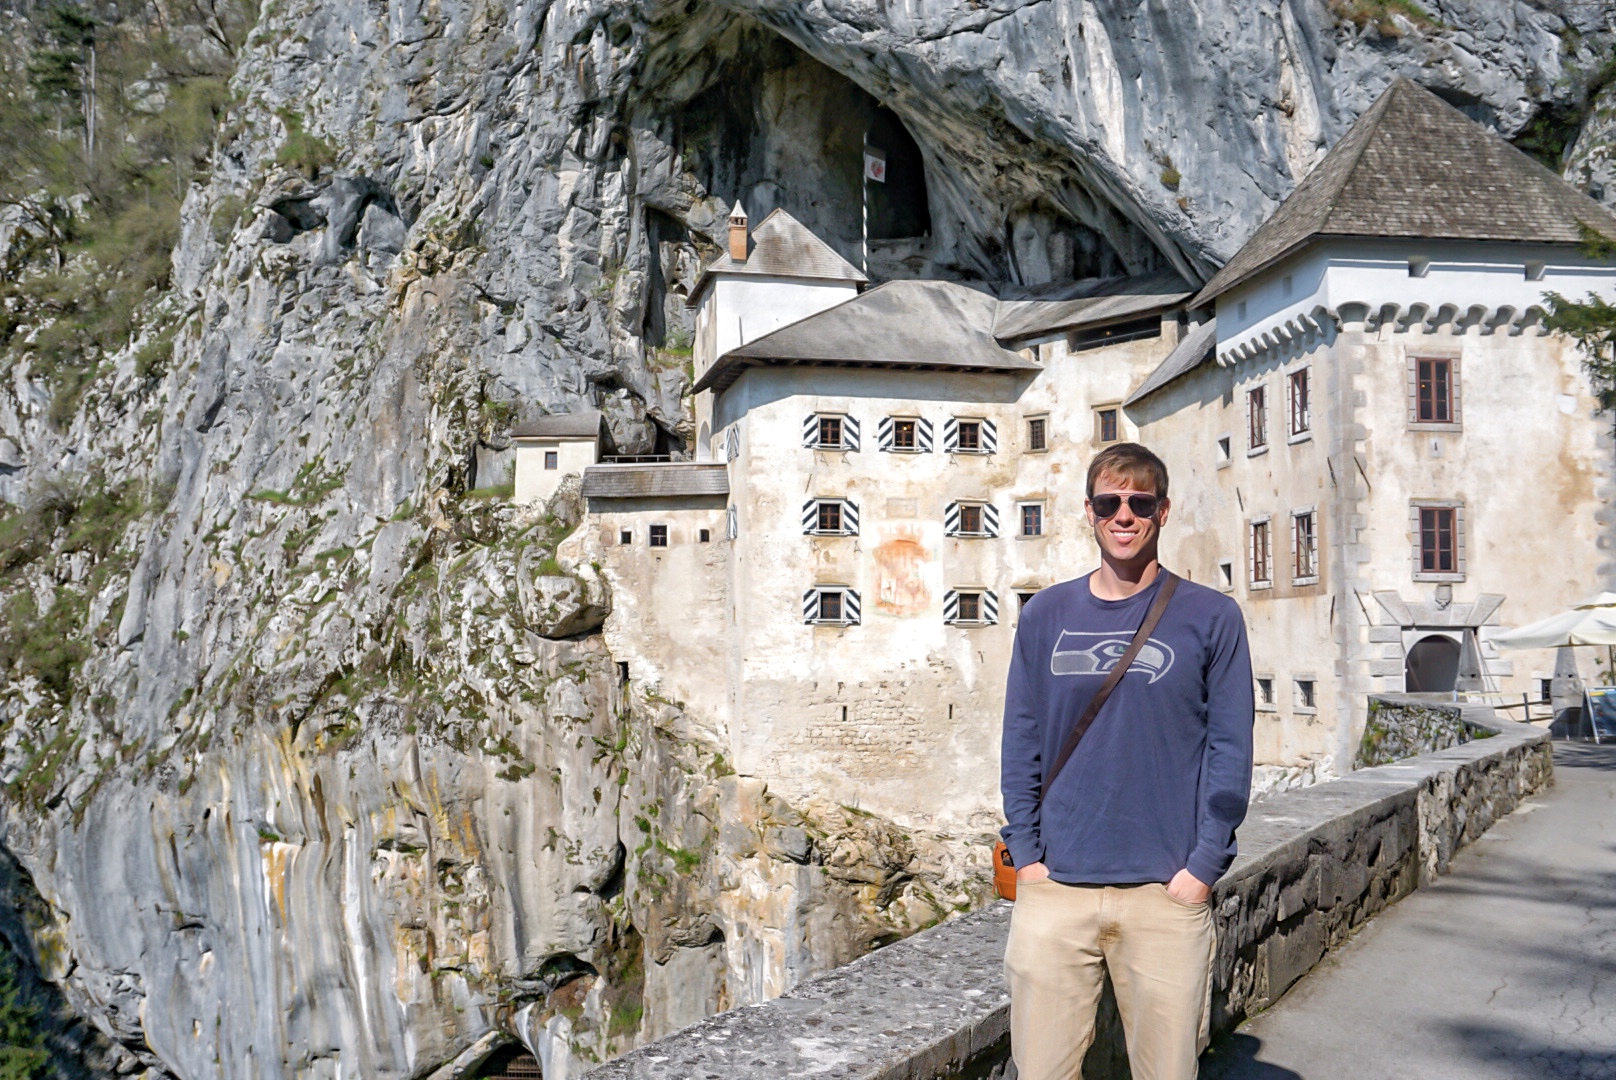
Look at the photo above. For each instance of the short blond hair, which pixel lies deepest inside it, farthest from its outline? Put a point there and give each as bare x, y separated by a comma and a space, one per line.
1131, 462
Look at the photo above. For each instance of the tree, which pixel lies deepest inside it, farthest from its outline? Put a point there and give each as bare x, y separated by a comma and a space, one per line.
1591, 323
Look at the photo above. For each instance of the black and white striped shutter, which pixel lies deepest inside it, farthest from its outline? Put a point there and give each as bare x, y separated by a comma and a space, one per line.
990, 608
850, 517
950, 435
951, 520
732, 444
732, 524
850, 606
990, 519
990, 437
883, 434
810, 431
850, 433
810, 606
810, 515
950, 606
923, 436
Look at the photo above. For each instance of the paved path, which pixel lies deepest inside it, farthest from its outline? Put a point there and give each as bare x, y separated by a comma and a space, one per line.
1505, 968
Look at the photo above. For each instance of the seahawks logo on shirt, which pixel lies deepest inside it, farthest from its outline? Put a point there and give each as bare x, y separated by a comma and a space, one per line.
1096, 654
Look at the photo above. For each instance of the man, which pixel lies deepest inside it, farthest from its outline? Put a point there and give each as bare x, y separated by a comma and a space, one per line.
1115, 865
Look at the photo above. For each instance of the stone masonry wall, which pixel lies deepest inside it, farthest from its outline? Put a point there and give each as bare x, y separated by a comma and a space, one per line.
1400, 726
1315, 865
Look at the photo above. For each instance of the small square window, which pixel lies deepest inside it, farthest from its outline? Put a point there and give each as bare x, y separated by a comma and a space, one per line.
1037, 433
1226, 574
1023, 596
1535, 271
903, 435
830, 516
1265, 691
970, 436
1419, 266
970, 520
704, 535
659, 536
1106, 425
1224, 451
830, 431
1305, 694
830, 606
1032, 519
551, 459
625, 536
970, 607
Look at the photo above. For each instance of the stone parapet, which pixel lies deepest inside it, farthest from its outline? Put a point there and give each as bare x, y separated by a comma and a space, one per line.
1315, 864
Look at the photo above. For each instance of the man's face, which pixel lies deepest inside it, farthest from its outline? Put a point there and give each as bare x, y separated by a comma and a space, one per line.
1125, 536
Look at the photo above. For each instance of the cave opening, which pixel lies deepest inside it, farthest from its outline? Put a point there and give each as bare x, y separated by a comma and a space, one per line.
777, 129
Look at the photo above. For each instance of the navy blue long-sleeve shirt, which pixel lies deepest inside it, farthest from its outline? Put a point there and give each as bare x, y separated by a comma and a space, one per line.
1161, 781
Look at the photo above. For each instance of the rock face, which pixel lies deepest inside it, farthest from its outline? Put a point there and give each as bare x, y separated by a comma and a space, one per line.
313, 762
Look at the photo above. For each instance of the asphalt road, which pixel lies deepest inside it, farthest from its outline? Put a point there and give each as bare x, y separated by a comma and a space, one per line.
1505, 968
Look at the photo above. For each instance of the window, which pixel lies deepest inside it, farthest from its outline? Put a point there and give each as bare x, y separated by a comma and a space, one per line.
1226, 574
971, 519
1545, 690
1038, 434
1265, 691
830, 517
1032, 519
973, 607
830, 431
1106, 424
1262, 574
1304, 546
1305, 695
625, 536
1224, 454
968, 436
1300, 416
833, 605
551, 459
659, 536
1535, 271
1419, 266
1132, 330
905, 435
1435, 390
1256, 419
1023, 596
1439, 541
704, 536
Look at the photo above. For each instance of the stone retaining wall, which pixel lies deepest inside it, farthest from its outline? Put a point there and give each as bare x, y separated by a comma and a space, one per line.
1400, 726
1314, 865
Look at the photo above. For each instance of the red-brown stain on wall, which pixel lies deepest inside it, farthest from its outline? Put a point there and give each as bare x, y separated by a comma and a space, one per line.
900, 573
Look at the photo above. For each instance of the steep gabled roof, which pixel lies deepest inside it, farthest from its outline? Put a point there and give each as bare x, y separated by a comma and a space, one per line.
1047, 309
940, 325
782, 246
1414, 167
1193, 350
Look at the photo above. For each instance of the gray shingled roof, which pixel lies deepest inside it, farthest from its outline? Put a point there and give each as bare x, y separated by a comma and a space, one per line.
782, 246
1414, 167
658, 481
1191, 352
583, 424
940, 325
1046, 310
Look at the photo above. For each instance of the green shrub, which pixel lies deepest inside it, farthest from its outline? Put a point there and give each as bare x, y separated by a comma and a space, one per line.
301, 151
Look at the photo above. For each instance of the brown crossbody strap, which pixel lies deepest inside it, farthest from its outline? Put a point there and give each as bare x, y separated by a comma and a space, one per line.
1097, 702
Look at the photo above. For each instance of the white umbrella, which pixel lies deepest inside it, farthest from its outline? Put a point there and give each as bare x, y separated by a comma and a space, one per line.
1592, 622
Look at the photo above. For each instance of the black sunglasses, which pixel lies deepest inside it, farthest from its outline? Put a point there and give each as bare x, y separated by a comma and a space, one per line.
1144, 506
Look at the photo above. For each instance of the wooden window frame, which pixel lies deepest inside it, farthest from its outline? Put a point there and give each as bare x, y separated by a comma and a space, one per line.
840, 442
1021, 519
898, 426
975, 428
829, 518
1311, 576
656, 536
1037, 434
1101, 411
966, 511
552, 460
1299, 404
1264, 559
1257, 420
1455, 391
1418, 508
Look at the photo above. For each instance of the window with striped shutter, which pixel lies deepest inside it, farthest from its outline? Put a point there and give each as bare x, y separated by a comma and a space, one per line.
732, 524
732, 444
904, 435
830, 517
830, 431
967, 435
970, 607
971, 519
831, 605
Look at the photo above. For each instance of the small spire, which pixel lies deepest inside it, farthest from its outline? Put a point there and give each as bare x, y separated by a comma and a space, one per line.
737, 233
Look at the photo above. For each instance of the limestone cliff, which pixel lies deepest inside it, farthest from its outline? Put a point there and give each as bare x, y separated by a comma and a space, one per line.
314, 764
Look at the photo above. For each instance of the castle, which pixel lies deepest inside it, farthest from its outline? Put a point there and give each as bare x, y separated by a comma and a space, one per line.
1374, 446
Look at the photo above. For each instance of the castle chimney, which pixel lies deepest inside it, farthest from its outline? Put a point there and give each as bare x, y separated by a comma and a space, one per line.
737, 233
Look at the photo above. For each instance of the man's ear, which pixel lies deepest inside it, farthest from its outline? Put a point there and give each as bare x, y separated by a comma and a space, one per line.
1161, 512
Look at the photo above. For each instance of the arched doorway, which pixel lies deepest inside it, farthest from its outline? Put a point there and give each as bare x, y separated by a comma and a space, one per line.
1432, 665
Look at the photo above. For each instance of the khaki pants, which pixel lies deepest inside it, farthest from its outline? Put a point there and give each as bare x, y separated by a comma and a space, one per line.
1063, 938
